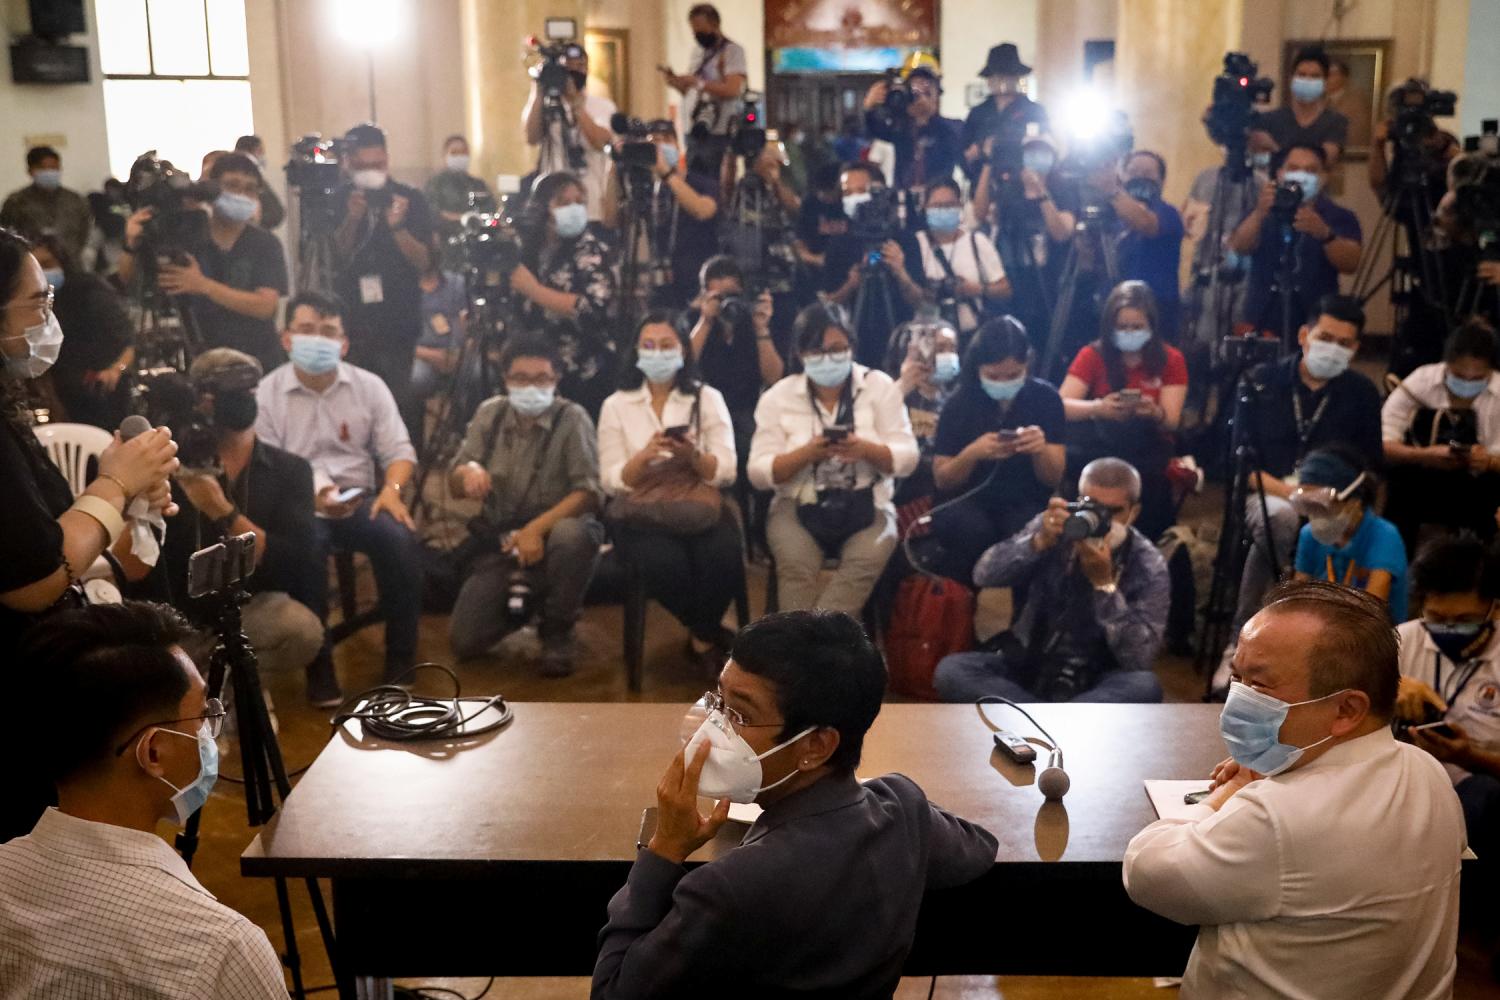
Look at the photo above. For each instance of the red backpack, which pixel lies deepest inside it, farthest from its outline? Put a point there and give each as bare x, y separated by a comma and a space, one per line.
931, 618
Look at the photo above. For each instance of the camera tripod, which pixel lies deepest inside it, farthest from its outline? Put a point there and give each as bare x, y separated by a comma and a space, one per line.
1280, 306
556, 152
874, 301
165, 334
1093, 248
216, 575
1214, 296
753, 209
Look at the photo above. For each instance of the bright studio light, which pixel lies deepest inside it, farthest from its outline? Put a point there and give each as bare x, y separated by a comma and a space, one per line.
367, 23
1086, 114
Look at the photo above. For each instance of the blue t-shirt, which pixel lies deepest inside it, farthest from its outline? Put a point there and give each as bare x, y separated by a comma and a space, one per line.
1376, 545
1313, 274
1154, 260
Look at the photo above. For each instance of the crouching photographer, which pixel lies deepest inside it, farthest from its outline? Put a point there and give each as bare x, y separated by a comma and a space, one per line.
232, 483
1095, 608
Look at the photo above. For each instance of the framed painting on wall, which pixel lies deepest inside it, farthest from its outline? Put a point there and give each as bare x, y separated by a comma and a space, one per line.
609, 63
1357, 84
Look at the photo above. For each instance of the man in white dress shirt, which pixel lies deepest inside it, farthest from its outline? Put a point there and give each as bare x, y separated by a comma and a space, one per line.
92, 902
1325, 862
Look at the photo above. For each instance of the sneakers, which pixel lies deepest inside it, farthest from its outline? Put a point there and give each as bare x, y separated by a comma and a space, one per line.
557, 654
322, 683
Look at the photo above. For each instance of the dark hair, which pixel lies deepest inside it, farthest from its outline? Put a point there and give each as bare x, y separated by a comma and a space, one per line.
824, 670
1130, 295
687, 380
36, 154
707, 10
455, 137
364, 136
53, 244
718, 267
1455, 564
1328, 457
1474, 338
245, 143
538, 209
529, 345
925, 73
1278, 159
110, 667
1355, 649
235, 163
1161, 161
1311, 53
1000, 339
1344, 308
825, 177
947, 183
877, 179
813, 322
325, 304
14, 249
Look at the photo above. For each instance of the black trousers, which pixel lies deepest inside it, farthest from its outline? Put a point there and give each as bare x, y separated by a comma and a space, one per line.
692, 576
1455, 500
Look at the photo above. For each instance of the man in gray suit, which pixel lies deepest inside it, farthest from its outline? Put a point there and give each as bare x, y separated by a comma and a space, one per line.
821, 897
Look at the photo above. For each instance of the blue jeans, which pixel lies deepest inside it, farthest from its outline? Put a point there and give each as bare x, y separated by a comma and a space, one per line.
396, 557
967, 677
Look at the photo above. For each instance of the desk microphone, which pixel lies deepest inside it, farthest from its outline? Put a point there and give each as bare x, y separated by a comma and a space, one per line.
1053, 782
133, 426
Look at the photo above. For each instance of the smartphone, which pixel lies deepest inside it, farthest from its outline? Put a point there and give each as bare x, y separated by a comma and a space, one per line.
352, 493
1131, 396
836, 432
1008, 433
1193, 798
1017, 749
1441, 728
677, 433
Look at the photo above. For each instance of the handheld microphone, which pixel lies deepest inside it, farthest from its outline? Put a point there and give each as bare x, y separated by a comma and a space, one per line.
1053, 782
133, 426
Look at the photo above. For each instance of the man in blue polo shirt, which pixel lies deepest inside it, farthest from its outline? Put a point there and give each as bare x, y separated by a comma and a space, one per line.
1151, 241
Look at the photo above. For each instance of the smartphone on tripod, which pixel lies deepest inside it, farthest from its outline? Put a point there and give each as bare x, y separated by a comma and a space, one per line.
219, 567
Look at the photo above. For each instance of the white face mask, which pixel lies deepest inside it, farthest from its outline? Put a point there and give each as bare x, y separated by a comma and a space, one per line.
368, 180
458, 162
1118, 532
732, 770
44, 343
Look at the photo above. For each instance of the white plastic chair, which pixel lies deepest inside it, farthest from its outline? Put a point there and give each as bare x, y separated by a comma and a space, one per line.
70, 446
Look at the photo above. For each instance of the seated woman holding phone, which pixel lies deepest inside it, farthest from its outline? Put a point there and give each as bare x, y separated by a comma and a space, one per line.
999, 454
1124, 395
666, 449
829, 439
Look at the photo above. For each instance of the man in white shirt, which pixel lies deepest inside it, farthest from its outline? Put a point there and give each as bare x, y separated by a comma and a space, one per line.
575, 140
1325, 862
713, 88
92, 902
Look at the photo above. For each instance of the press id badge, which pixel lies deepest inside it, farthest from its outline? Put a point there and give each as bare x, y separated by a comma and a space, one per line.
439, 324
371, 291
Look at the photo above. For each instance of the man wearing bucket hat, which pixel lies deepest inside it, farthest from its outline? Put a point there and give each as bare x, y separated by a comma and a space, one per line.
1008, 116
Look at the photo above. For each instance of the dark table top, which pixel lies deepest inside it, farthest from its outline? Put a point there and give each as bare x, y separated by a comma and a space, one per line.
568, 782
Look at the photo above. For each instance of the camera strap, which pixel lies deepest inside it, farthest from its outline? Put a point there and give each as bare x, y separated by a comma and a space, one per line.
492, 438
1305, 427
842, 416
937, 251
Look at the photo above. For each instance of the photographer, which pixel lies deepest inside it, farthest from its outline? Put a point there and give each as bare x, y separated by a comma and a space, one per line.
45, 207
1307, 120
96, 354
999, 438
1124, 392
577, 143
565, 286
963, 270
927, 144
828, 440
1150, 247
444, 330
1008, 116
1095, 609
268, 492
713, 88
272, 211
820, 218
450, 189
532, 458
233, 280
1308, 244
1441, 430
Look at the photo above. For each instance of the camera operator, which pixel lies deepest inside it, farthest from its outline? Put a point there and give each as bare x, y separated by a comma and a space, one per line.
584, 130
263, 490
1324, 238
532, 458
714, 86
564, 285
1150, 247
97, 352
233, 280
927, 144
820, 218
1008, 114
383, 245
963, 270
852, 258
448, 192
272, 211
1441, 427
1307, 120
1434, 147
1095, 609
46, 207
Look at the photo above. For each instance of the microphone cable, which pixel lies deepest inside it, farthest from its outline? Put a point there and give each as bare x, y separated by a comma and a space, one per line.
994, 699
927, 519
390, 712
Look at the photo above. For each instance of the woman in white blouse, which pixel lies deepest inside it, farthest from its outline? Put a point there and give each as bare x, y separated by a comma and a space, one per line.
829, 440
665, 424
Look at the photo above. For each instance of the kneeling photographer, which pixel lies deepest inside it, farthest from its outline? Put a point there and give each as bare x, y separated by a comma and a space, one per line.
1095, 608
533, 459
232, 483
903, 111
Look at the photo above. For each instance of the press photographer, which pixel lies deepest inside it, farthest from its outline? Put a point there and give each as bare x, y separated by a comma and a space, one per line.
902, 109
712, 90
569, 124
964, 274
1409, 146
1150, 245
1095, 607
1009, 115
453, 192
89, 376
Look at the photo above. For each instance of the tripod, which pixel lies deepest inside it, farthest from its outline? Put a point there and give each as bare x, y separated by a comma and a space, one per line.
1214, 294
1092, 246
556, 152
753, 209
216, 575
1281, 297
875, 302
165, 335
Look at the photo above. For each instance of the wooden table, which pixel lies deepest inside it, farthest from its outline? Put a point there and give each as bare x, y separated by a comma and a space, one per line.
498, 857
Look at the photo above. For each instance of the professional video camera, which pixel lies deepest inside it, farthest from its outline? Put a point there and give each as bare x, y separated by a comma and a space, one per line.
491, 250
748, 133
877, 220
175, 224
1476, 196
313, 170
1087, 518
1413, 107
1236, 92
167, 398
551, 74
636, 151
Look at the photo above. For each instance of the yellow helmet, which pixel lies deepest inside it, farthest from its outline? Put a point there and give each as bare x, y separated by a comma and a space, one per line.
920, 59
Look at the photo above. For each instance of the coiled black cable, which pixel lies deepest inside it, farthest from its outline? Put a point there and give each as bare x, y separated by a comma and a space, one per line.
390, 712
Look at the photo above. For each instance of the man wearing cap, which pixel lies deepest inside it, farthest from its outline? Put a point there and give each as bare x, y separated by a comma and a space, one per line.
927, 144
1007, 115
268, 492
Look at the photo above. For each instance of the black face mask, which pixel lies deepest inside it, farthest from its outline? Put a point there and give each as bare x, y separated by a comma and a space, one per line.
580, 80
707, 39
235, 410
1143, 189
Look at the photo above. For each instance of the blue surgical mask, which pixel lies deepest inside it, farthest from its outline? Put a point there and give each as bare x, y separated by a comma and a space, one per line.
1002, 390
853, 201
1465, 388
54, 276
1452, 639
1326, 360
235, 207
1307, 88
1251, 727
1038, 161
659, 366
530, 400
945, 367
670, 155
1260, 161
457, 162
190, 798
570, 220
829, 370
48, 180
1307, 179
1131, 341
315, 355
944, 220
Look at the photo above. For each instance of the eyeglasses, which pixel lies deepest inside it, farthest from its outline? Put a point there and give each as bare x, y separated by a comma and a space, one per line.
841, 355
327, 331
714, 702
212, 717
45, 306
523, 381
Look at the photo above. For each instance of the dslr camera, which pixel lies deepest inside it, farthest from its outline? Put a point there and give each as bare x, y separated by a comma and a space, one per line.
175, 224
1087, 518
892, 110
1287, 200
748, 132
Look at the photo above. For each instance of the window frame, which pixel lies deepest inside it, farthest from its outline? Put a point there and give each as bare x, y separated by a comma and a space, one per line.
208, 49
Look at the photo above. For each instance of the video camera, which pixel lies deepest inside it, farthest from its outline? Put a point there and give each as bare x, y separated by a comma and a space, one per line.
637, 151
748, 133
1087, 518
1413, 107
175, 224
1476, 191
313, 169
1231, 113
876, 221
491, 250
167, 398
551, 74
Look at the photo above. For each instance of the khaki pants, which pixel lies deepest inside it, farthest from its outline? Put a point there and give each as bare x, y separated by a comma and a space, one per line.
799, 561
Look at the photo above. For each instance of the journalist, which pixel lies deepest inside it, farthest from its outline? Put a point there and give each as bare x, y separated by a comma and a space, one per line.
712, 88
829, 440
532, 458
1009, 116
1095, 608
566, 287
44, 207
1307, 118
232, 281
140, 749
666, 447
452, 191
98, 352
578, 141
267, 492
925, 355
1325, 862
963, 270
794, 909
444, 328
998, 454
1150, 231
820, 218
272, 211
927, 144
343, 420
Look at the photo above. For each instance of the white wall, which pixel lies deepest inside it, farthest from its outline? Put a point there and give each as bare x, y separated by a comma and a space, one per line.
1479, 96
744, 22
967, 30
68, 116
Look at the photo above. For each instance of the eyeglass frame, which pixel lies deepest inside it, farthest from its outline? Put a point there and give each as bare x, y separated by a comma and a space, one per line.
47, 308
214, 715
532, 381
714, 702
823, 355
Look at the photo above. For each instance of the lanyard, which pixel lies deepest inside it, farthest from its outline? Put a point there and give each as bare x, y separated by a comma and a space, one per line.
1348, 571
1463, 677
1305, 427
